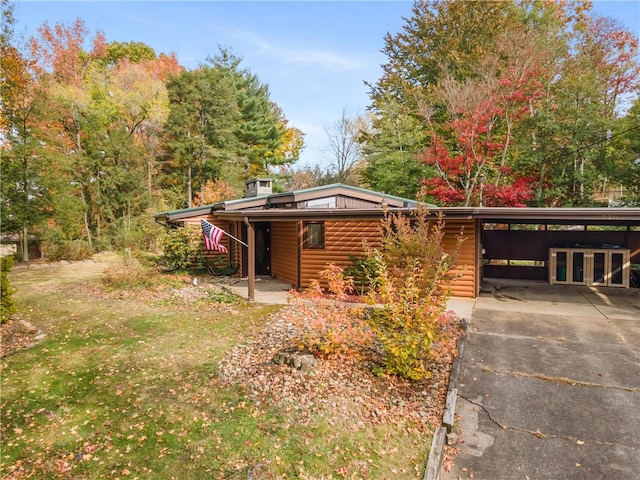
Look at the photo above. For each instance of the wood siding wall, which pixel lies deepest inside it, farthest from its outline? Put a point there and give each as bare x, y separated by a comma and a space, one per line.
236, 252
284, 251
466, 284
342, 239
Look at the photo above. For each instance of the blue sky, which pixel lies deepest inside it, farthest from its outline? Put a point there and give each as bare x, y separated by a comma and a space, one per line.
315, 56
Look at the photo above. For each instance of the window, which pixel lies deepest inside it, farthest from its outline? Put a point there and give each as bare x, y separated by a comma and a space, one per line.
327, 202
314, 235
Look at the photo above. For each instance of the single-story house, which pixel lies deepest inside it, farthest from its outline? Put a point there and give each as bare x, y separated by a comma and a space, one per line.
292, 236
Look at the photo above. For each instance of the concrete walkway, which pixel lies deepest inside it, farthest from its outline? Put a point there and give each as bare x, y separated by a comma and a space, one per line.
268, 290
550, 384
273, 291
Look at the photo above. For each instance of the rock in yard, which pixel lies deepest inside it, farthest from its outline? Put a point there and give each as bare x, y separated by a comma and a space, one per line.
302, 360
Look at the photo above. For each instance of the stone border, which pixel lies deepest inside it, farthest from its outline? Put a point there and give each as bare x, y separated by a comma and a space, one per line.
432, 472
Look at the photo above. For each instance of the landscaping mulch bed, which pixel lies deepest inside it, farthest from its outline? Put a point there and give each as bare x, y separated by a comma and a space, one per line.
342, 388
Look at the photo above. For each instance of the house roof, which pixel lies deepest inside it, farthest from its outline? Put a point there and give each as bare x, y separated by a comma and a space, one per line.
276, 200
182, 213
346, 201
339, 199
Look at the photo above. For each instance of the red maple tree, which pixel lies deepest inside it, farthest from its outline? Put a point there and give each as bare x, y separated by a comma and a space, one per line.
472, 164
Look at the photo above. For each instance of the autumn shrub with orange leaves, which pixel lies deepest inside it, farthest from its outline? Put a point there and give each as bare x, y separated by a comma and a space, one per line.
325, 322
408, 299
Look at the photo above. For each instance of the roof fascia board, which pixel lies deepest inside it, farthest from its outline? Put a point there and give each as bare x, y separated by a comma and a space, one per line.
546, 215
308, 214
246, 203
184, 213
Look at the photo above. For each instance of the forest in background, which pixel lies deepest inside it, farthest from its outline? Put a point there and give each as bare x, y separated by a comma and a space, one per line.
541, 109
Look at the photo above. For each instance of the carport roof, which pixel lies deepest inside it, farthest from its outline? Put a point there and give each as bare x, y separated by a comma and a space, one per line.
600, 216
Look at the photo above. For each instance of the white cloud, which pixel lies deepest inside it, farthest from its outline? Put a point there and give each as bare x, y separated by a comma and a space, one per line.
301, 57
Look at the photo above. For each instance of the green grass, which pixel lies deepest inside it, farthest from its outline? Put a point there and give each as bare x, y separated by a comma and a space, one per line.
128, 389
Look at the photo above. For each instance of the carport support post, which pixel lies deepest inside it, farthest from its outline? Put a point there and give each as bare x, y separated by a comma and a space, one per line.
251, 259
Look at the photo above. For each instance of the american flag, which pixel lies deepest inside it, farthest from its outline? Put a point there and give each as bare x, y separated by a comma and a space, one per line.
212, 236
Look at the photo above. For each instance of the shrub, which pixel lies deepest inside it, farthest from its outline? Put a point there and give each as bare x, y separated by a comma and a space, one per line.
412, 289
128, 274
57, 246
71, 250
137, 233
7, 304
364, 271
182, 248
326, 324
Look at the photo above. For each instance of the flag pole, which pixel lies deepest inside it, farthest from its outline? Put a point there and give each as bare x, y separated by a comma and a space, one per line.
236, 239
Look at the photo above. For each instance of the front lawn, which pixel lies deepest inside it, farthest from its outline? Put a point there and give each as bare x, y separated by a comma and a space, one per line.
174, 380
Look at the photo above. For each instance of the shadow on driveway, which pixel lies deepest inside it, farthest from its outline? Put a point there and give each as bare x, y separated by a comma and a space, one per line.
550, 384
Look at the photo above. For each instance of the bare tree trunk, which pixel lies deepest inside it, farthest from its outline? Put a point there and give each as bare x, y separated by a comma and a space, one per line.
24, 244
86, 221
149, 175
582, 161
189, 186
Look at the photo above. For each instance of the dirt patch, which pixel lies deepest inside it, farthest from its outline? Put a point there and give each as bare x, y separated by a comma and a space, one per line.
67, 270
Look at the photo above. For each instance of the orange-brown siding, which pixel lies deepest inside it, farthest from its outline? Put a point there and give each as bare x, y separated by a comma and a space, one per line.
465, 284
345, 239
342, 239
235, 252
284, 251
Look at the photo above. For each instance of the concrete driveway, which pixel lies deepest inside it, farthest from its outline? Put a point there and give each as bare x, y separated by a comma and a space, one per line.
549, 386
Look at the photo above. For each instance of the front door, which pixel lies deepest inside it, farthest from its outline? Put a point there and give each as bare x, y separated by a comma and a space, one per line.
263, 248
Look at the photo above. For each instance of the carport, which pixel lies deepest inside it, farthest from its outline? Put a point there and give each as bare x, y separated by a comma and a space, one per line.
577, 246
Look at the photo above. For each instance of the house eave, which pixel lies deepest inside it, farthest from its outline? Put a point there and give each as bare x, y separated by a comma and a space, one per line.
603, 216
279, 215
177, 215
